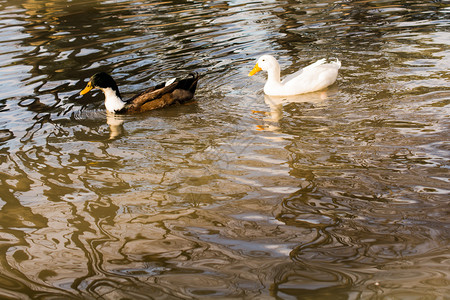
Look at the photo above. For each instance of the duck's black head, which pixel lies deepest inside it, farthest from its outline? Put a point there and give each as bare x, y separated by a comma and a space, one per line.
101, 81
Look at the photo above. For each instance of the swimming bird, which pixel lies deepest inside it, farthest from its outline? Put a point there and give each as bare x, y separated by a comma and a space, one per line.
162, 95
311, 78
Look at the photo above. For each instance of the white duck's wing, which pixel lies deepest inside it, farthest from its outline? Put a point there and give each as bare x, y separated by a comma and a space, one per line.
313, 78
305, 69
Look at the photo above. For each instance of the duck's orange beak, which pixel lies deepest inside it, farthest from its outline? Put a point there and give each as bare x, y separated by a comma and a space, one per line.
87, 88
255, 70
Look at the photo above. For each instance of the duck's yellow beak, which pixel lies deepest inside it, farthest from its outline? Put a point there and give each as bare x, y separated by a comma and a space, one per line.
87, 88
255, 70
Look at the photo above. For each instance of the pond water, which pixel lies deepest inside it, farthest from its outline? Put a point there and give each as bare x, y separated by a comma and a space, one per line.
338, 194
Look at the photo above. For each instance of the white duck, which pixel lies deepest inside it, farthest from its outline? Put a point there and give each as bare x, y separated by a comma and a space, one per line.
312, 78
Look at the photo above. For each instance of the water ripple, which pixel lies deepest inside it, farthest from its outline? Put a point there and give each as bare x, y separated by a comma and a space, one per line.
341, 193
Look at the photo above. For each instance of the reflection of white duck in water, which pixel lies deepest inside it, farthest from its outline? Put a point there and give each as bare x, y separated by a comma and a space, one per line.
276, 103
311, 78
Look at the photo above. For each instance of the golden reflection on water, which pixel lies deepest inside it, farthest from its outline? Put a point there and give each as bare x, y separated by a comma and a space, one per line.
340, 193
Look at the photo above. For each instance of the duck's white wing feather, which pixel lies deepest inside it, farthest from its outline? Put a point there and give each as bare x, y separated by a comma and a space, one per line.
305, 69
312, 78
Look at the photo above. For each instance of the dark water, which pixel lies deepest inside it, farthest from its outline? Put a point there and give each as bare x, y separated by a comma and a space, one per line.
340, 194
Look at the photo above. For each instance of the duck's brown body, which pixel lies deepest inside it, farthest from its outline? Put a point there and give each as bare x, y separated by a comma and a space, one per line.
159, 96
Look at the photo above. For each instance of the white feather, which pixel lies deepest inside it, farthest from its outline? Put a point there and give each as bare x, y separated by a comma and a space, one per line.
170, 81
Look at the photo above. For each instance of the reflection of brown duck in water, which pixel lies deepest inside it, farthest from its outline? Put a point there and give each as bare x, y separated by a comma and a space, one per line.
161, 95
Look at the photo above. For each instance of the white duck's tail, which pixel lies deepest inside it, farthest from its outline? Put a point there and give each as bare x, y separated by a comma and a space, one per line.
338, 63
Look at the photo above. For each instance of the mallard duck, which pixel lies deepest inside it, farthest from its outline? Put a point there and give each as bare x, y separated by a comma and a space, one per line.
311, 78
161, 95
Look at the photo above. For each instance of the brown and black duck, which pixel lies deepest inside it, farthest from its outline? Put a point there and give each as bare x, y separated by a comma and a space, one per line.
162, 95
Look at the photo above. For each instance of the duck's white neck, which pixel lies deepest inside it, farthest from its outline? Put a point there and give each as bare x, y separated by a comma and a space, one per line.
273, 82
113, 102
273, 74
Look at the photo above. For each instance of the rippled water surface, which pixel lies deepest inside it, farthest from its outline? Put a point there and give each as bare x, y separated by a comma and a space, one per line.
338, 194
